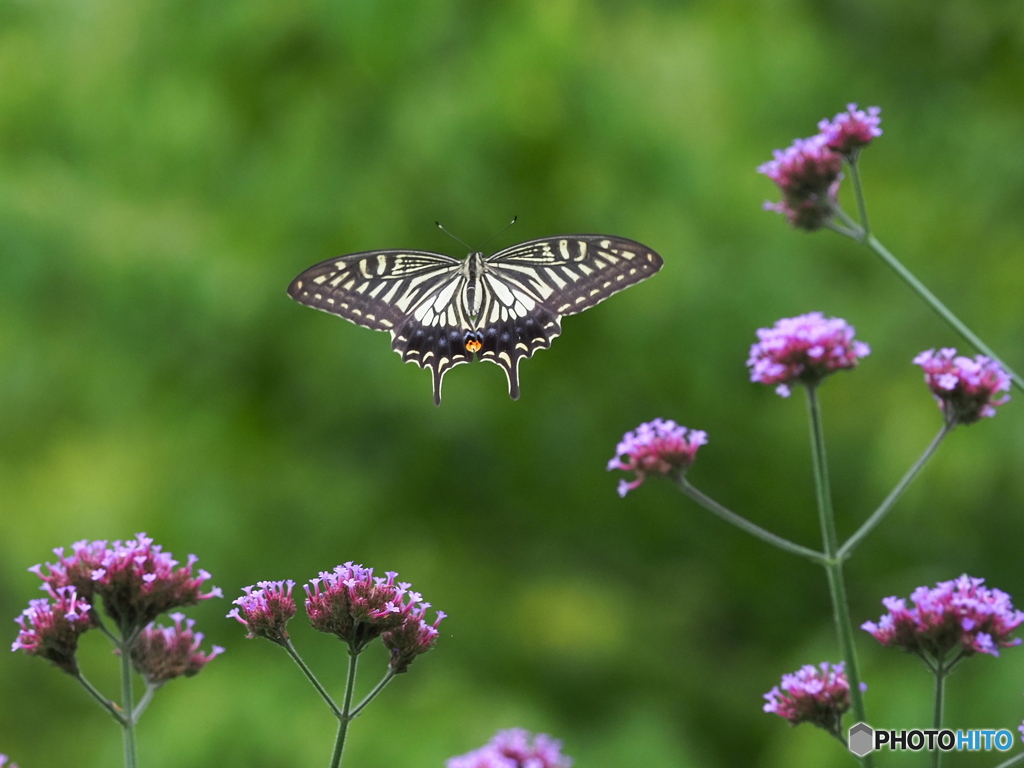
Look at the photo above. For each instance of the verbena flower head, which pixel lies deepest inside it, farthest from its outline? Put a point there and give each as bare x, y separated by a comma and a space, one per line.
5, 764
52, 630
803, 350
412, 638
356, 606
515, 748
657, 447
850, 131
818, 695
965, 388
136, 580
265, 609
808, 174
959, 615
164, 653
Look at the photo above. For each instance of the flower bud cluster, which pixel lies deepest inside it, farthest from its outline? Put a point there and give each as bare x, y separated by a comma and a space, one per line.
659, 447
514, 748
959, 615
164, 653
136, 580
51, 629
809, 171
803, 350
817, 695
964, 388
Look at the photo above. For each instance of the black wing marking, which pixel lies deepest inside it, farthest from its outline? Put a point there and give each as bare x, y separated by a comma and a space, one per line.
423, 299
571, 273
374, 289
410, 294
530, 287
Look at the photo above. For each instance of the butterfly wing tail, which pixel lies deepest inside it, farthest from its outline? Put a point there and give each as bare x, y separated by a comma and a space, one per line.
507, 342
439, 349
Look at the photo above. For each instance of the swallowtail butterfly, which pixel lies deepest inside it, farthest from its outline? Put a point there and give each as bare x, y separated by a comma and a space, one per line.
442, 311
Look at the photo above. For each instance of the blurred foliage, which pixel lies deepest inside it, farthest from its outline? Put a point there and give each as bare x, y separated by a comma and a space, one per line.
167, 167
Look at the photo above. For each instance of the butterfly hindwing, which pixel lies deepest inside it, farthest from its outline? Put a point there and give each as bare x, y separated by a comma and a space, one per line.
442, 312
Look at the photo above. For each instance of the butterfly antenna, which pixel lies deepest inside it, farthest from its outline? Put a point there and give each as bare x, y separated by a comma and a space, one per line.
514, 219
453, 237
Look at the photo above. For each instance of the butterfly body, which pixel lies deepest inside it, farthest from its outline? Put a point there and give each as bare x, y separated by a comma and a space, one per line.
441, 311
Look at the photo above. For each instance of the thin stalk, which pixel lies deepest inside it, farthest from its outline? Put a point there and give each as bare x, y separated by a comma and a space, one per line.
144, 701
853, 230
944, 312
102, 700
940, 694
346, 709
853, 234
388, 677
859, 192
128, 722
745, 525
826, 516
833, 566
287, 645
1015, 760
869, 525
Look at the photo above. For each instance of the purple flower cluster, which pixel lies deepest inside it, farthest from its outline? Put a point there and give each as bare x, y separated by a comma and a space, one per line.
412, 638
514, 748
964, 388
164, 653
818, 695
265, 609
350, 603
136, 582
809, 171
51, 630
136, 579
851, 130
356, 606
658, 447
803, 349
960, 614
5, 764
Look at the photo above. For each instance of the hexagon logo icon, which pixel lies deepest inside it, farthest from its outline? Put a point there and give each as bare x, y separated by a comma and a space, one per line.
862, 738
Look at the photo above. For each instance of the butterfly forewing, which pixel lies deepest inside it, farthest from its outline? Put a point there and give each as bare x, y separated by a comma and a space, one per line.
375, 289
572, 273
442, 312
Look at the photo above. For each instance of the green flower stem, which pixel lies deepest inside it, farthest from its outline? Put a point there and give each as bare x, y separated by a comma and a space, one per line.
346, 709
144, 701
826, 516
938, 306
102, 700
858, 189
127, 705
388, 677
743, 524
869, 525
863, 235
853, 234
940, 693
1015, 760
287, 645
834, 566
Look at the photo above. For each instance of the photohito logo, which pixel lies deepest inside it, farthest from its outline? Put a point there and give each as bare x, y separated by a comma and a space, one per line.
864, 739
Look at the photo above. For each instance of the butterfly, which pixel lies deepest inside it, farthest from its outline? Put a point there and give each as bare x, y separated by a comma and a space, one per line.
442, 311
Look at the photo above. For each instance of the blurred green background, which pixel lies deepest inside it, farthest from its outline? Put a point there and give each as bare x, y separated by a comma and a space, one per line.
166, 168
